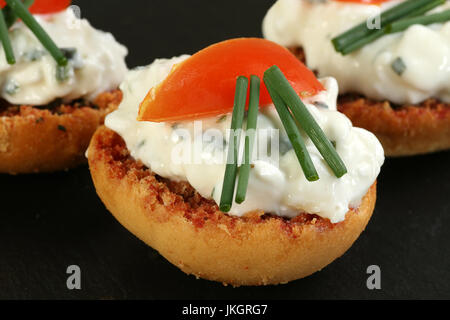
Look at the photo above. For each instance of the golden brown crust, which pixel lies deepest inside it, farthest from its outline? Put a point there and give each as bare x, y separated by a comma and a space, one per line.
403, 130
44, 140
194, 235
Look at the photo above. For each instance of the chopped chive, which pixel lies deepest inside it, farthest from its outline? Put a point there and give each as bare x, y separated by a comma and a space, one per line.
404, 24
229, 181
293, 133
141, 144
10, 16
359, 32
398, 66
6, 42
252, 119
11, 87
281, 85
22, 12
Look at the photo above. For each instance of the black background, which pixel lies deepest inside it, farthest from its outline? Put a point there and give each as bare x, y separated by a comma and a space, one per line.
48, 222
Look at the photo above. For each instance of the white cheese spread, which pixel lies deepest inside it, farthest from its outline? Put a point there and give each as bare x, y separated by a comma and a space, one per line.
97, 62
423, 50
276, 185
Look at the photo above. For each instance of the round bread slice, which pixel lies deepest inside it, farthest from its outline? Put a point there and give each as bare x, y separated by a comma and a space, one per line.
191, 232
34, 140
403, 130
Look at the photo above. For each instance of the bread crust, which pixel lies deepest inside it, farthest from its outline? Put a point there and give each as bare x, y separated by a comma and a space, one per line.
403, 130
191, 232
34, 140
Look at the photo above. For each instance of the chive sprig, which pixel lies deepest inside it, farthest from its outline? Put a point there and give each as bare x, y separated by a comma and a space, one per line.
10, 16
404, 24
360, 35
293, 133
275, 79
22, 12
294, 116
237, 120
252, 120
6, 43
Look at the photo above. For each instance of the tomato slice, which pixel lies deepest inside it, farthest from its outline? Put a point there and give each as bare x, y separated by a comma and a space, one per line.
204, 84
45, 6
365, 1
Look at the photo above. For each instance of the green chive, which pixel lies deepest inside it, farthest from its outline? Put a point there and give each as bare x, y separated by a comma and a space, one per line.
376, 34
293, 133
404, 24
402, 10
421, 11
362, 42
229, 181
22, 12
281, 85
10, 16
6, 42
252, 119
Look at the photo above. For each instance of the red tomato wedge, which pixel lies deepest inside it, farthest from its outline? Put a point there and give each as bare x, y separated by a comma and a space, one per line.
364, 1
204, 84
45, 6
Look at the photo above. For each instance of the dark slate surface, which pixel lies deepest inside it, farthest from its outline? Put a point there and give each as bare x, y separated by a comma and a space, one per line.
49, 222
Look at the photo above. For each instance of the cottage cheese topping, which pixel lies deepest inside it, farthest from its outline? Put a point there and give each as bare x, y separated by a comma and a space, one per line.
424, 50
97, 62
278, 185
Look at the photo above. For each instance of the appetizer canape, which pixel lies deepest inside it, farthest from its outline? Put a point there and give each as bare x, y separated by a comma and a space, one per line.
391, 60
297, 195
59, 77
